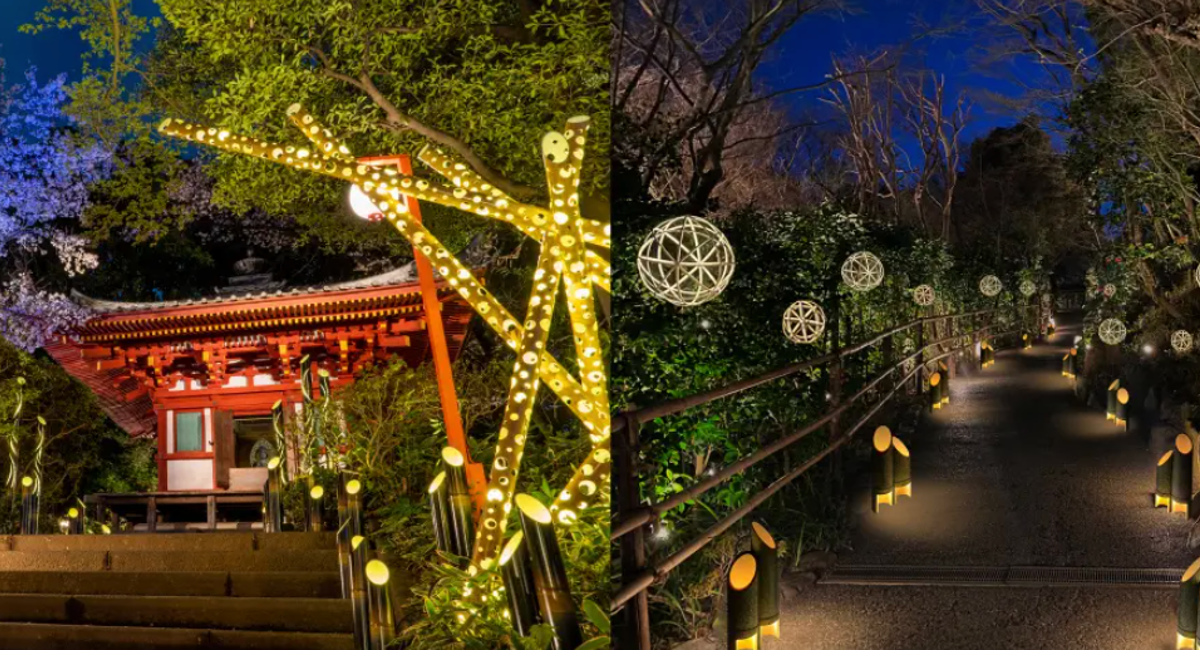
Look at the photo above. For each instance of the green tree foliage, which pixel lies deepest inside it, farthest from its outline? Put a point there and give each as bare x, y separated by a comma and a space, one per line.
85, 452
482, 79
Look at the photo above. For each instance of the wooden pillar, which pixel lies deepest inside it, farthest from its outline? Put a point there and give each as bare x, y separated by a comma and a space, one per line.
455, 435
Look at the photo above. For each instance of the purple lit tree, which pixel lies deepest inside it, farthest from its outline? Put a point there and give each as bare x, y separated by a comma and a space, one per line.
45, 170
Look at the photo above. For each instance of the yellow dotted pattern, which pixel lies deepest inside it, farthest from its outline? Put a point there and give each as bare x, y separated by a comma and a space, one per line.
564, 236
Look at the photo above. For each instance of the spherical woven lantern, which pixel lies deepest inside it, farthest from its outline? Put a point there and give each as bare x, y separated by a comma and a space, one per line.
990, 286
1112, 331
923, 295
862, 271
1181, 341
685, 261
804, 322
1110, 290
1028, 288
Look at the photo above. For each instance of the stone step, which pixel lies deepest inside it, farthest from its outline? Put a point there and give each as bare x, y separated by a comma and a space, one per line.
36, 636
155, 561
302, 584
194, 612
188, 542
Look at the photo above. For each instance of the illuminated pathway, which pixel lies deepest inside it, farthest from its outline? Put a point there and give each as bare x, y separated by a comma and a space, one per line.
1015, 472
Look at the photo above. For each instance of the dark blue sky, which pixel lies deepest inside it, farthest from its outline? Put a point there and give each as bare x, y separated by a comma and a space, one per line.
804, 54
53, 51
802, 57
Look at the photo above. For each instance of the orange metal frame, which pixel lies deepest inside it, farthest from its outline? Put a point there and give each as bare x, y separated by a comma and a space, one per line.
476, 478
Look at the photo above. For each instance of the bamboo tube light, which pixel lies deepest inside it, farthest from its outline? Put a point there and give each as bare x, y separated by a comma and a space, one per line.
742, 604
1189, 607
343, 535
549, 573
1074, 362
74, 521
383, 626
935, 391
882, 469
29, 518
1050, 329
1181, 475
516, 569
1162, 481
1122, 415
459, 502
1111, 411
315, 502
360, 607
766, 555
439, 506
1026, 341
901, 469
274, 505
944, 372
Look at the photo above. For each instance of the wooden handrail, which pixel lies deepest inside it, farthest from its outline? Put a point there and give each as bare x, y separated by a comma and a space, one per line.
643, 516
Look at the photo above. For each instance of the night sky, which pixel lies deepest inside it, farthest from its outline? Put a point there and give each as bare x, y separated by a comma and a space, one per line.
802, 57
53, 51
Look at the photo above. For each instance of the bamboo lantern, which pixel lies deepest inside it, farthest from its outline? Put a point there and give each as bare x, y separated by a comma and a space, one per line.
935, 390
29, 517
742, 603
1181, 475
1162, 481
458, 501
944, 371
1073, 363
1111, 411
316, 497
549, 573
274, 505
383, 626
1122, 415
882, 469
901, 469
343, 535
1050, 329
1189, 606
1026, 342
360, 607
75, 522
766, 555
516, 568
439, 507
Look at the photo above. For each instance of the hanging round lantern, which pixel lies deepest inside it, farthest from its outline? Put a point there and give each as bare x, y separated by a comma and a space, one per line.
1112, 331
1110, 290
804, 322
862, 271
1181, 341
923, 295
990, 286
685, 261
1028, 288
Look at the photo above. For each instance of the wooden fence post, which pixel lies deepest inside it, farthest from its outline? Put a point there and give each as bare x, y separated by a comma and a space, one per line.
635, 632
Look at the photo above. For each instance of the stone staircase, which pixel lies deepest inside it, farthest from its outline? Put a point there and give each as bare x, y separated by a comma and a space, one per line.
227, 590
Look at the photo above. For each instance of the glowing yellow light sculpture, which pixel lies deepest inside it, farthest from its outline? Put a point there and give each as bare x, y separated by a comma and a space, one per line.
563, 234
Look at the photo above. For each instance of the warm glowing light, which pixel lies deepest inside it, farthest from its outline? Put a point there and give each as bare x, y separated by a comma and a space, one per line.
273, 463
73, 513
377, 572
743, 572
362, 205
882, 439
353, 486
1123, 396
533, 508
770, 629
27, 481
453, 457
317, 492
511, 547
